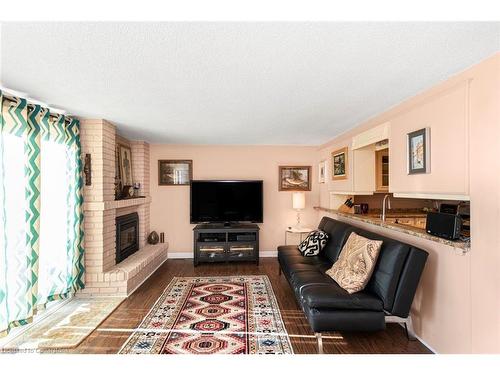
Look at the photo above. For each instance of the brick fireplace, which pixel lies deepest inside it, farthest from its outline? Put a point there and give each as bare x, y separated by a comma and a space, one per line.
103, 275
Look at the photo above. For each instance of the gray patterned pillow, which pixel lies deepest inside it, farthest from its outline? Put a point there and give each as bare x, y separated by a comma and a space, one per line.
313, 243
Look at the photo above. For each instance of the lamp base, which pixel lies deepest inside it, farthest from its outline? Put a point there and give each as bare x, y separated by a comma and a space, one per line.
298, 225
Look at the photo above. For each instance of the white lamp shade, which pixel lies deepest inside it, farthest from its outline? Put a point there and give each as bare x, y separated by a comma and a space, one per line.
298, 201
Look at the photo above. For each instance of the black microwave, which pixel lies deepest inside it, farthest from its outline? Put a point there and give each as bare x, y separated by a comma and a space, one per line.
443, 225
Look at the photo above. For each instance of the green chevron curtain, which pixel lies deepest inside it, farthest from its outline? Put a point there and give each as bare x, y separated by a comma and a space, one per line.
41, 213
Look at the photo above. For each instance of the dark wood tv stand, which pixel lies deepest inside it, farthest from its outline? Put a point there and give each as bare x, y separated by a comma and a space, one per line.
226, 243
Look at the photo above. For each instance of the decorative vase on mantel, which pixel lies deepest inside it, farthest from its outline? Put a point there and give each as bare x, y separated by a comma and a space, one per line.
153, 238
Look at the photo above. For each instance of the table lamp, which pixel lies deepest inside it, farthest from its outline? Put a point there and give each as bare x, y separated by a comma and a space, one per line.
298, 203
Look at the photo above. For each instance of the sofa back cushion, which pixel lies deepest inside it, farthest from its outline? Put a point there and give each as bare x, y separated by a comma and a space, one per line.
338, 232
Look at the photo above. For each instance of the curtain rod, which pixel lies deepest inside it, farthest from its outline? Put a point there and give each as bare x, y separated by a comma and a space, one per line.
10, 99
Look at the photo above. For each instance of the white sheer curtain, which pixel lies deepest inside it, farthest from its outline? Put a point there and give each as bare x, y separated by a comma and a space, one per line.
13, 231
54, 268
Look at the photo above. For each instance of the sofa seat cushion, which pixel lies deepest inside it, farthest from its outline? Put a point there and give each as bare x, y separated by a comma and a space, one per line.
301, 279
332, 296
344, 320
300, 267
292, 262
288, 250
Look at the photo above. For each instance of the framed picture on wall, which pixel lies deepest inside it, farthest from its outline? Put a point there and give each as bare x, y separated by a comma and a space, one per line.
125, 163
339, 164
294, 178
419, 151
322, 171
175, 172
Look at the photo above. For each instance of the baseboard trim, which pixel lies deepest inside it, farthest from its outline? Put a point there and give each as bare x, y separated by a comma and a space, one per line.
426, 345
183, 255
268, 254
422, 341
180, 255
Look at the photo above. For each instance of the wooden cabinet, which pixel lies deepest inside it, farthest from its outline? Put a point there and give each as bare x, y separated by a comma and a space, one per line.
417, 222
406, 221
420, 222
361, 174
382, 170
218, 243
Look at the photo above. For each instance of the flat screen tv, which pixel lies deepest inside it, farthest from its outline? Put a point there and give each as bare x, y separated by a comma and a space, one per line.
226, 201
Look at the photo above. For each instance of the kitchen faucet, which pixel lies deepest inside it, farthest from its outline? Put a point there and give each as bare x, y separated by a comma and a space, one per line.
387, 198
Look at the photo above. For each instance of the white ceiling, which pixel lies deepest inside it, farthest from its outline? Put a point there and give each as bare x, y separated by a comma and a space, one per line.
236, 83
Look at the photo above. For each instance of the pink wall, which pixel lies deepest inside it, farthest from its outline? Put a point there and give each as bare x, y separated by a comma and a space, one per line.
458, 302
170, 204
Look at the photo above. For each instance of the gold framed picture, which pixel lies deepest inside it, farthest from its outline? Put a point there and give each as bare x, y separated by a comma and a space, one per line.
125, 163
294, 178
175, 172
339, 164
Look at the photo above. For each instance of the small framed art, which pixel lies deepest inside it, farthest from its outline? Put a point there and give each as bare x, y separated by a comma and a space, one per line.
339, 164
322, 171
419, 151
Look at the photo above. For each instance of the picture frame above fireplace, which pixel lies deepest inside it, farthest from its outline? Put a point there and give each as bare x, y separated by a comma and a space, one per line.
125, 165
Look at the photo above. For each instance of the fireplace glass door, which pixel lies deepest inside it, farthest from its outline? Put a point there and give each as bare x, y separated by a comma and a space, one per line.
127, 236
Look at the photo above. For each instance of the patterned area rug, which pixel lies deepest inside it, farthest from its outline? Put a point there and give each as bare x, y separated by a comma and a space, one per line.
212, 315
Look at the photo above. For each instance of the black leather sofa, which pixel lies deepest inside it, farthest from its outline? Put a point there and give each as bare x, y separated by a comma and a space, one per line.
327, 307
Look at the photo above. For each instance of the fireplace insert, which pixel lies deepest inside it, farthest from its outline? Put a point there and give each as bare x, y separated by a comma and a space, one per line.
127, 236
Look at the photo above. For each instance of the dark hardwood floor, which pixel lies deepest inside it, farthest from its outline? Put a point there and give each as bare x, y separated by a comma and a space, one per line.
112, 333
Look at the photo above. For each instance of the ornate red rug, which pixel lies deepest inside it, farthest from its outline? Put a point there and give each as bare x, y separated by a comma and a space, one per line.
212, 315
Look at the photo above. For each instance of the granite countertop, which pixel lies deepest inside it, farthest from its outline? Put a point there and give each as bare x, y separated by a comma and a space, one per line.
413, 231
395, 214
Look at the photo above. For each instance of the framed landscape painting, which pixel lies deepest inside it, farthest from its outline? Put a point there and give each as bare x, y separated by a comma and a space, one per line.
339, 164
294, 178
418, 151
175, 172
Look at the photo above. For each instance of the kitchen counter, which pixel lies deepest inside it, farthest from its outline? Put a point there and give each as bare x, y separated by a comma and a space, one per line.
374, 219
395, 214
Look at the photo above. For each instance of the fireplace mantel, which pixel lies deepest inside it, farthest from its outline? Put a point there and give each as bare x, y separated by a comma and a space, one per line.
110, 205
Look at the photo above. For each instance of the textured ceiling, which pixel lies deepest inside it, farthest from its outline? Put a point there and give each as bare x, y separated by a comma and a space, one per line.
236, 83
